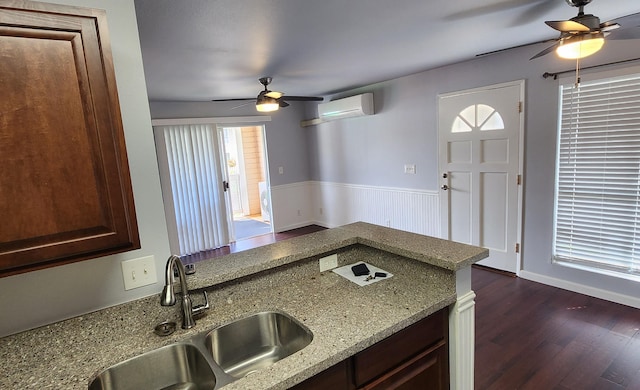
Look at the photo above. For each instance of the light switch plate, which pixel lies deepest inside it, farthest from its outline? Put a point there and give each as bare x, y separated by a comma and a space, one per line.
139, 272
328, 262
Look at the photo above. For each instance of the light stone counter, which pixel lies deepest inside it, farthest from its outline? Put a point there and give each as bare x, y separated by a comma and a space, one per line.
343, 317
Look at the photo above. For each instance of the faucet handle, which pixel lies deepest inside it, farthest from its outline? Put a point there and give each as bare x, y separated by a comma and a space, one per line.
200, 309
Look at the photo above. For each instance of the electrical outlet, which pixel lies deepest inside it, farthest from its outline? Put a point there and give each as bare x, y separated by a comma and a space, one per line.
139, 272
410, 169
328, 262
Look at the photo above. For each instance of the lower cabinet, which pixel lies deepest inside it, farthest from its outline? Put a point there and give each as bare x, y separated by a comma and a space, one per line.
414, 358
334, 378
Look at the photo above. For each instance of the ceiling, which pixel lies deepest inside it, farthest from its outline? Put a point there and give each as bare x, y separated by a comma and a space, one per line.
198, 50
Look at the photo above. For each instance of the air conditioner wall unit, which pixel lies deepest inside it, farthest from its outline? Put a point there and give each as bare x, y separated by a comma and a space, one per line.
358, 105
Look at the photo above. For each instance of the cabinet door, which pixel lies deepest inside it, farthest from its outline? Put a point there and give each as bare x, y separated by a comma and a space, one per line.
396, 349
428, 370
334, 378
65, 191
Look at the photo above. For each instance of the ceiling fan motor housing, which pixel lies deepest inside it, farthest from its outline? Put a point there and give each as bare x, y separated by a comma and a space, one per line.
265, 81
591, 21
578, 3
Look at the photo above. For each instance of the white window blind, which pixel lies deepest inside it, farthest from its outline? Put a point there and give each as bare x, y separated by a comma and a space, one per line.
597, 216
191, 177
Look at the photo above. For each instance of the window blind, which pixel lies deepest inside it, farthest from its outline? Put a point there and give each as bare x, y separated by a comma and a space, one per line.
597, 215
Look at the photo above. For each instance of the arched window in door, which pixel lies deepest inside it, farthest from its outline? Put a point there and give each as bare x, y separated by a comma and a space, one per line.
477, 116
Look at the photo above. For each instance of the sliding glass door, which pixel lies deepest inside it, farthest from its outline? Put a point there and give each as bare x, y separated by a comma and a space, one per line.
214, 184
193, 187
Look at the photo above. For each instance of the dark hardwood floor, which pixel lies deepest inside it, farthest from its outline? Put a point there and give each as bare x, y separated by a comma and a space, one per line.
533, 336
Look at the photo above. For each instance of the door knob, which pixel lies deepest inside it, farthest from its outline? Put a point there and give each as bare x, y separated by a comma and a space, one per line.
445, 187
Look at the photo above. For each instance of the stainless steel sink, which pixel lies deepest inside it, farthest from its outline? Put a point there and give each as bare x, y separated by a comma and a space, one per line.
211, 359
178, 366
251, 343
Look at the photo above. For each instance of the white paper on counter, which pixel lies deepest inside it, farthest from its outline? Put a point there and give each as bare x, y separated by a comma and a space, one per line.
347, 273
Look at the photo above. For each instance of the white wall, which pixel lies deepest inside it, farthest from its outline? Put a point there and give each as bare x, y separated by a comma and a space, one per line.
372, 151
41, 297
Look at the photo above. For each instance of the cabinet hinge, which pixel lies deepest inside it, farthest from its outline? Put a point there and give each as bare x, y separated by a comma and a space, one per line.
519, 180
517, 248
520, 106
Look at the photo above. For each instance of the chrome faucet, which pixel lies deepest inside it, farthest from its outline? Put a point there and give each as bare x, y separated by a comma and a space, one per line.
168, 297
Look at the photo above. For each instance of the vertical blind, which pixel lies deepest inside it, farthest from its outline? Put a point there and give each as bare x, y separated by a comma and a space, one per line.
597, 215
195, 177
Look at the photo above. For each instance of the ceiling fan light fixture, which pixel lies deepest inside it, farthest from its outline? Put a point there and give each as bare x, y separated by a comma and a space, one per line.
580, 45
267, 104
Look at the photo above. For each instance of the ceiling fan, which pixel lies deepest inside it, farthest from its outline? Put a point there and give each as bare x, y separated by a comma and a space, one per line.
584, 34
268, 101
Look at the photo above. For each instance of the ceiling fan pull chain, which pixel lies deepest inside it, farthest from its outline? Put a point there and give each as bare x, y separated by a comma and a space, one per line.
577, 72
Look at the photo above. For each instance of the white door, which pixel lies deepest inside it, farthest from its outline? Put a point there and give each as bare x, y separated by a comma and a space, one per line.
479, 145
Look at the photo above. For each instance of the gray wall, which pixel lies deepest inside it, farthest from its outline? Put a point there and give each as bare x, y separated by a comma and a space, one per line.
287, 143
45, 296
373, 150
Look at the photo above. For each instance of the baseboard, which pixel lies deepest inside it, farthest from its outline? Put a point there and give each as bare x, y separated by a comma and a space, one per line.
297, 225
582, 289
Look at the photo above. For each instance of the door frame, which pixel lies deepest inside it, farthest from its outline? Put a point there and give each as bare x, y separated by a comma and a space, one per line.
220, 129
521, 143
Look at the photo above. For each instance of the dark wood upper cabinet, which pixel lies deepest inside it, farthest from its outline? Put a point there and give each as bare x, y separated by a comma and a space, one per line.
65, 190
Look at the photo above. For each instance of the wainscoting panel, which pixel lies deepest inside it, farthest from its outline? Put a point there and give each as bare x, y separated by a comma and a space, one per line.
334, 204
400, 208
291, 206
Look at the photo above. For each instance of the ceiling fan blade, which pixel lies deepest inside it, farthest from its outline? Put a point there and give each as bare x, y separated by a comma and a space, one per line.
501, 6
632, 20
304, 98
629, 27
274, 94
567, 26
534, 12
243, 105
609, 26
513, 47
233, 100
545, 52
282, 103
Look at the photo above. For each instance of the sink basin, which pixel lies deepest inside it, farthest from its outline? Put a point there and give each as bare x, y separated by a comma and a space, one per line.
210, 359
178, 366
246, 345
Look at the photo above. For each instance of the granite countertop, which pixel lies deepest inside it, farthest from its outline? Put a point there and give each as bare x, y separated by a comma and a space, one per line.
343, 317
435, 251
